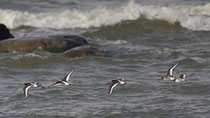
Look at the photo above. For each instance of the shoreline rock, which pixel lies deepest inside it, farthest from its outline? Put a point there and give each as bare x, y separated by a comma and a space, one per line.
56, 44
5, 33
72, 45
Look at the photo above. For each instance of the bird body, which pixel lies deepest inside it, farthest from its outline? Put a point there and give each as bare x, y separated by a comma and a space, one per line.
28, 85
114, 84
180, 79
65, 80
169, 75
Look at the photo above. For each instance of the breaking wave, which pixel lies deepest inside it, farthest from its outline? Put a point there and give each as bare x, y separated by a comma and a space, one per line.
190, 17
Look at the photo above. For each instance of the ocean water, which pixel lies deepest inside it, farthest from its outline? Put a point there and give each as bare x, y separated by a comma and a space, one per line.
145, 37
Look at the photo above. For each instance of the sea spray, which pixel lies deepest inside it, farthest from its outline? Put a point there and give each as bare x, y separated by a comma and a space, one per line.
190, 17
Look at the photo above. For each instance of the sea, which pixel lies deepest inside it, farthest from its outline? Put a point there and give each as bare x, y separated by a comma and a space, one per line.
144, 37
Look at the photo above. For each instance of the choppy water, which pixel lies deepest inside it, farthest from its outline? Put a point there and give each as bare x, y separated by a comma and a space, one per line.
146, 38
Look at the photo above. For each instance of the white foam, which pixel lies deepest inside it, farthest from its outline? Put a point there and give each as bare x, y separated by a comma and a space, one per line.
191, 17
116, 42
28, 55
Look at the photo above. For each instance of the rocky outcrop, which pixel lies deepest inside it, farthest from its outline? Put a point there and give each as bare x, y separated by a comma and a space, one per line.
71, 45
5, 33
57, 43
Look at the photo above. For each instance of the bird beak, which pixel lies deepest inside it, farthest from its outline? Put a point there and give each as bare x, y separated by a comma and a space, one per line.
54, 84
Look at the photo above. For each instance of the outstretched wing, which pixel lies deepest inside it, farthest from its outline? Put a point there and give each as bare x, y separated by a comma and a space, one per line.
112, 87
39, 85
25, 90
170, 71
66, 78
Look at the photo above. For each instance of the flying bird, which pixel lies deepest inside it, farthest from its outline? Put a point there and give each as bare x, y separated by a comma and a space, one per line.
114, 84
180, 79
169, 75
28, 85
65, 80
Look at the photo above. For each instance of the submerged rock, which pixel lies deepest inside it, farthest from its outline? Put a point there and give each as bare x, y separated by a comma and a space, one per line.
57, 43
74, 45
82, 51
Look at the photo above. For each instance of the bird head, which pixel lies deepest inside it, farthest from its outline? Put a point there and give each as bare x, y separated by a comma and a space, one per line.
182, 76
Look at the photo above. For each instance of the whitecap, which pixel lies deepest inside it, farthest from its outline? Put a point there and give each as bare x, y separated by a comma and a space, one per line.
28, 55
190, 17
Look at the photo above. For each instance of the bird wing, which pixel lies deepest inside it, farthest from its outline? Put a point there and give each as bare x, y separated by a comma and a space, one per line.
25, 90
40, 85
112, 87
66, 78
170, 71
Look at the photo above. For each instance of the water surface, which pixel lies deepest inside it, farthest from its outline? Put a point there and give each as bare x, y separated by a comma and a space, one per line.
145, 39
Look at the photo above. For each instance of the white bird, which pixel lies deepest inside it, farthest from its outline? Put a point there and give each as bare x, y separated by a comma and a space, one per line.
28, 85
114, 84
65, 80
180, 79
169, 75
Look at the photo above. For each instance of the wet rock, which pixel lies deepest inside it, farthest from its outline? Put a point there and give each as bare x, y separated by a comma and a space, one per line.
56, 43
82, 51
71, 45
5, 33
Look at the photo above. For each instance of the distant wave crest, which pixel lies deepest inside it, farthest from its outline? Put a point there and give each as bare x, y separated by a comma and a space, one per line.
190, 17
28, 55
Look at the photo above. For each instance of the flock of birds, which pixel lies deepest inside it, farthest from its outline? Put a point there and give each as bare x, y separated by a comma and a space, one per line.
169, 76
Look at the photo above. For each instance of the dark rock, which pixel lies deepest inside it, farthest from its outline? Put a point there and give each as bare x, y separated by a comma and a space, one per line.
57, 43
82, 51
74, 45
5, 33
